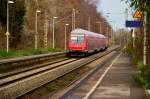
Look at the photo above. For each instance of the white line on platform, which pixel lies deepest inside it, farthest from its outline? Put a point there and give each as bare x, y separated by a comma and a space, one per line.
100, 79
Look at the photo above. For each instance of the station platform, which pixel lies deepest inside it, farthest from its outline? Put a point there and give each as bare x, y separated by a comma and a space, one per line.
118, 83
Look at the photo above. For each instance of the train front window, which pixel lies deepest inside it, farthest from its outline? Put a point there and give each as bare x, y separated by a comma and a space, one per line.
77, 39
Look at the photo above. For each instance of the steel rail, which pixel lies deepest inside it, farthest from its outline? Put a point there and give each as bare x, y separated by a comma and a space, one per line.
24, 74
30, 68
49, 75
86, 62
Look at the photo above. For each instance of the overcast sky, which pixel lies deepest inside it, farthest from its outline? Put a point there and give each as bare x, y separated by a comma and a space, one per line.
116, 8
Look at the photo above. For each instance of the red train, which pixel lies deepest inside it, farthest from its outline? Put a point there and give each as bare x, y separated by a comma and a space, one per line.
82, 42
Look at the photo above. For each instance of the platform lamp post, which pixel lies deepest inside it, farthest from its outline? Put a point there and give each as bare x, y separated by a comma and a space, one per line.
100, 24
66, 35
107, 15
112, 32
73, 19
36, 32
7, 32
107, 25
54, 31
109, 39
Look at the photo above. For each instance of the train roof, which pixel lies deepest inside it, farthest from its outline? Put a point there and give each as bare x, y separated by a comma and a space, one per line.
80, 31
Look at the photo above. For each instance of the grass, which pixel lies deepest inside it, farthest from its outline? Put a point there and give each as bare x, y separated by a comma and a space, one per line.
28, 52
143, 78
148, 96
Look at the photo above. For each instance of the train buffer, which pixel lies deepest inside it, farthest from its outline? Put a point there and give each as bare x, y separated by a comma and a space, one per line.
118, 83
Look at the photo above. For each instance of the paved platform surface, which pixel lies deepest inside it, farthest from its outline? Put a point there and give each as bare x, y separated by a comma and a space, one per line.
118, 83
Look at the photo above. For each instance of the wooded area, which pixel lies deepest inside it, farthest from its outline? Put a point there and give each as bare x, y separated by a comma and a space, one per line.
16, 21
23, 14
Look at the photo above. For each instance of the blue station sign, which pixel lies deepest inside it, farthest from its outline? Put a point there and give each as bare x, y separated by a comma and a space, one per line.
134, 23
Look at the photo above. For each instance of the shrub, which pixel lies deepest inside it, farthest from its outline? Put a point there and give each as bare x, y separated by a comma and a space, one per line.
143, 78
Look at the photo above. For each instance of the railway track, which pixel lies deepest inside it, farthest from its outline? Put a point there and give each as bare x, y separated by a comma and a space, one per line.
31, 68
18, 84
85, 86
15, 65
8, 79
